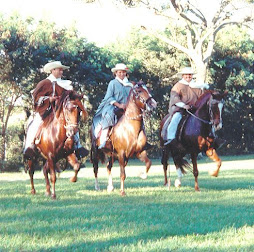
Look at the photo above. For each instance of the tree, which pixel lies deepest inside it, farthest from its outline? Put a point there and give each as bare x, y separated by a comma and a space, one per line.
196, 21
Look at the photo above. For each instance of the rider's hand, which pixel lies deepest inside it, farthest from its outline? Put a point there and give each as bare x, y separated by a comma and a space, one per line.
186, 107
122, 106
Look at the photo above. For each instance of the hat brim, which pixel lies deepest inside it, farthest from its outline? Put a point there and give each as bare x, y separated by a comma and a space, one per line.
48, 69
180, 75
119, 69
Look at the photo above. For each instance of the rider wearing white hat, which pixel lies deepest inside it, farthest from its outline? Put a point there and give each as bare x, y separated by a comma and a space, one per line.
116, 96
183, 95
44, 94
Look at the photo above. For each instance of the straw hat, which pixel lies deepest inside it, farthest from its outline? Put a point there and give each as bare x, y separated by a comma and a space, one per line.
120, 66
52, 65
185, 70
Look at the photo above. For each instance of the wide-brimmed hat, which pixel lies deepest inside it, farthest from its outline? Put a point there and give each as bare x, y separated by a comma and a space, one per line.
185, 70
52, 65
120, 66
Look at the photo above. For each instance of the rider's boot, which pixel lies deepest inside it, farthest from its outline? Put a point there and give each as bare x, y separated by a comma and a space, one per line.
148, 146
80, 151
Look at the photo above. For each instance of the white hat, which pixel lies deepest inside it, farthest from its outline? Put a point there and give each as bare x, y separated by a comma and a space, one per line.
52, 65
120, 66
185, 70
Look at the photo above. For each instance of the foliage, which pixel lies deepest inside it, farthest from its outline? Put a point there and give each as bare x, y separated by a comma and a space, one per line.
235, 74
26, 45
149, 218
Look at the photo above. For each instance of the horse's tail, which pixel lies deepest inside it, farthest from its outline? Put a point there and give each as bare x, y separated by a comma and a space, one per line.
181, 163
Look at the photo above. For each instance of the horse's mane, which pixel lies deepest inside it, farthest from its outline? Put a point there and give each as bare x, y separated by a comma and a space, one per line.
55, 111
203, 98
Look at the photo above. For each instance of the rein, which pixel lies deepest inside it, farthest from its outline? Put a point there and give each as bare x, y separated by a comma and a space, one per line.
142, 100
134, 117
67, 125
200, 119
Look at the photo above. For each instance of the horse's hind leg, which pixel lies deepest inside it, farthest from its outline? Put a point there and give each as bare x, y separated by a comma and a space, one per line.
95, 162
72, 159
45, 172
110, 187
164, 162
143, 157
212, 154
195, 170
30, 164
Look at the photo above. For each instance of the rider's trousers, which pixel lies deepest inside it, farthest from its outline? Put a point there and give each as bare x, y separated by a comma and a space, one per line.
172, 127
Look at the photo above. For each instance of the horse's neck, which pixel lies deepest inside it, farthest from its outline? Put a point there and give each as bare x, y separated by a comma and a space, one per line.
203, 110
133, 111
57, 124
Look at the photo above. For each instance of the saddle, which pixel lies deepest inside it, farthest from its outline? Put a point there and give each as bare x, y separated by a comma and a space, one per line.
167, 120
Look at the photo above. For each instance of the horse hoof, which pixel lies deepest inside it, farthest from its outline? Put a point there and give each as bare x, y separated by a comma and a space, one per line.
53, 196
110, 189
97, 188
47, 194
33, 191
177, 183
73, 180
143, 175
213, 173
122, 193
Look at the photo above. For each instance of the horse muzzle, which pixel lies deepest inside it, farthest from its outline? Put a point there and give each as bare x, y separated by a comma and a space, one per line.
217, 124
151, 104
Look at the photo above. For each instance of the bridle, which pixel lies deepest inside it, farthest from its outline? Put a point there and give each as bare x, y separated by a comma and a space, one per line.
70, 127
211, 114
142, 100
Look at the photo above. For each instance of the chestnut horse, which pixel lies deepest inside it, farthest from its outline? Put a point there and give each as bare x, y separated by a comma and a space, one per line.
194, 134
57, 139
126, 138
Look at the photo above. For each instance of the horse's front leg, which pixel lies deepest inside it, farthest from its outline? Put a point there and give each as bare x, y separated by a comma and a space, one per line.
122, 173
143, 157
110, 187
51, 165
212, 154
195, 170
73, 161
30, 164
45, 172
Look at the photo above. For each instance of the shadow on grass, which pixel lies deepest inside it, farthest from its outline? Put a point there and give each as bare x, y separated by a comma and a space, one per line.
150, 215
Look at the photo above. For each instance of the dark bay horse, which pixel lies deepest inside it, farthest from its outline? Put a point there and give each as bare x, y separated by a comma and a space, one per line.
57, 138
194, 134
126, 138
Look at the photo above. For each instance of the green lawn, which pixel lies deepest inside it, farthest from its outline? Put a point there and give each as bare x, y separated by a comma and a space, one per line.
149, 218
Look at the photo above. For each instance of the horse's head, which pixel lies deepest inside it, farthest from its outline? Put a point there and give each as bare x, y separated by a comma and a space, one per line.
216, 103
143, 98
72, 106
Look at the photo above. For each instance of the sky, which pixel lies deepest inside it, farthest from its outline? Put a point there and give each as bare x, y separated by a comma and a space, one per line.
100, 22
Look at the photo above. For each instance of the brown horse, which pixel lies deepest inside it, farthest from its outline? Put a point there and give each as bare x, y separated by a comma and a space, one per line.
126, 138
194, 136
57, 139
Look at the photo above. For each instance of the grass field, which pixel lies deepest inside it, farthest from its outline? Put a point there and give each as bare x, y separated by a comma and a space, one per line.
149, 218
